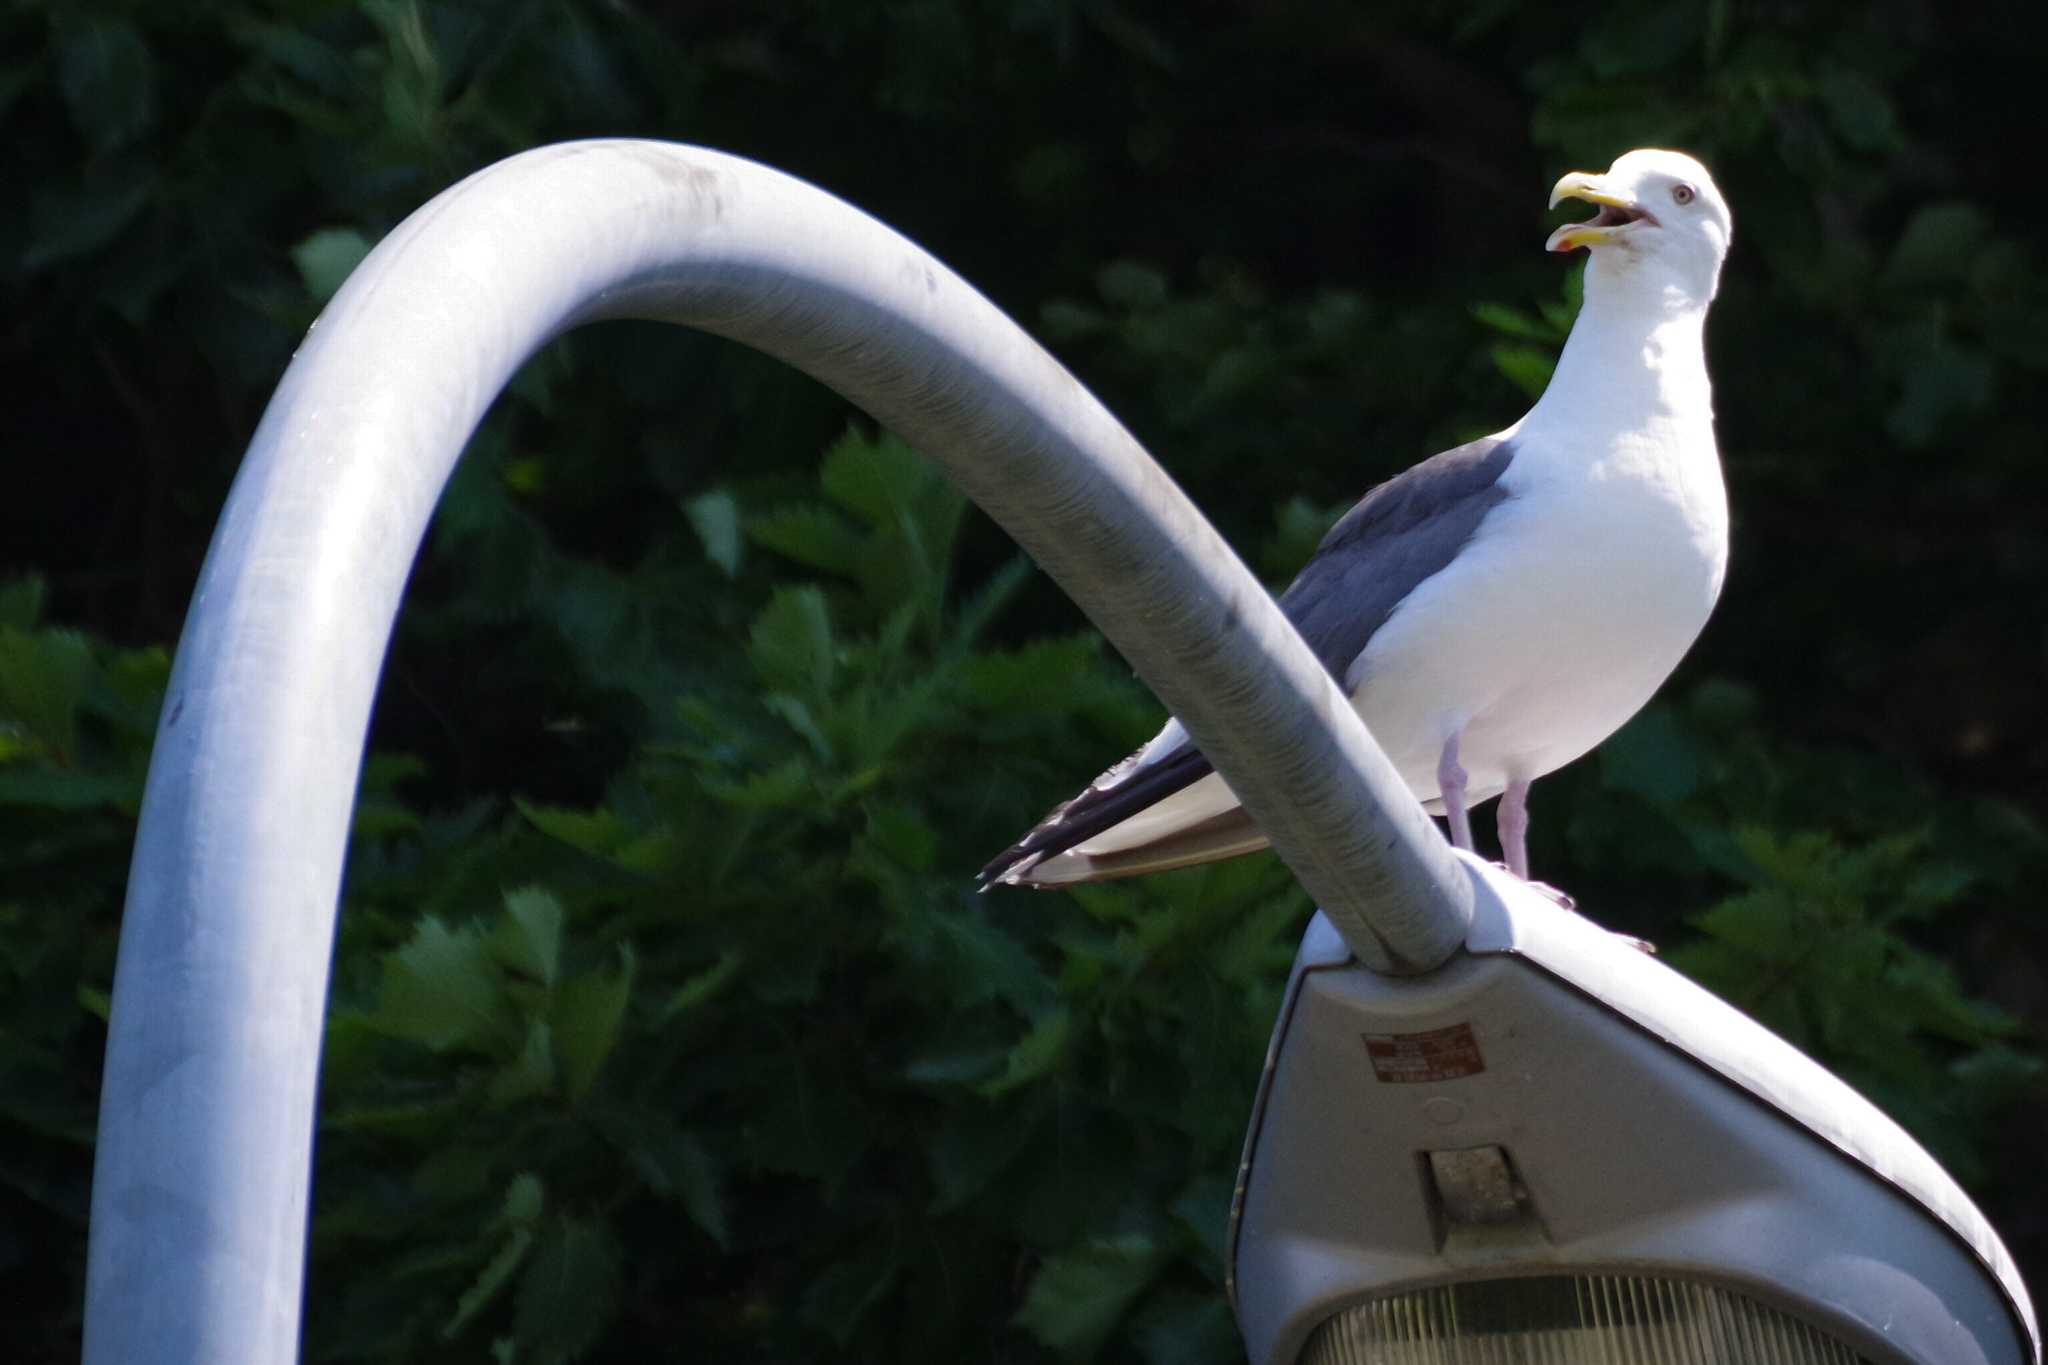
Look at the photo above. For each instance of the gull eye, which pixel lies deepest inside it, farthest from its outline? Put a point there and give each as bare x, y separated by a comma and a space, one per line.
1684, 194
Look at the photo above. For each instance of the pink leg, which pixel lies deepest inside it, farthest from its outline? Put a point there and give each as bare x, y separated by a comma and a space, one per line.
1512, 819
1450, 782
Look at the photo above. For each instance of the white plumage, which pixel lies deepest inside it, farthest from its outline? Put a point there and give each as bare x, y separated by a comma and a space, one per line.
1498, 610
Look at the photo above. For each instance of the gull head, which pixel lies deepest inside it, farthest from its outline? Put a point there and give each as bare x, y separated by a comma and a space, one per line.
1661, 220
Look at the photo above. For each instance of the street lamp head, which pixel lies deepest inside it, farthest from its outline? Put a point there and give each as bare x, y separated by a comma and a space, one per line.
1554, 1148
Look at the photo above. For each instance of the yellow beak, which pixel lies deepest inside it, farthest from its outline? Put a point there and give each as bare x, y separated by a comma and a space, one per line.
1592, 189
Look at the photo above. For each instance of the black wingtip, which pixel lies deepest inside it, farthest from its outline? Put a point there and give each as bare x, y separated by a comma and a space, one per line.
1091, 812
1007, 867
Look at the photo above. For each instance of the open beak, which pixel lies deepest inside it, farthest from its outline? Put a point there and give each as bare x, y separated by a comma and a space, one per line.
1617, 212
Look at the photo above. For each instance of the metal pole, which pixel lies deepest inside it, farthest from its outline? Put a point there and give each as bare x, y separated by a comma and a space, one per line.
200, 1191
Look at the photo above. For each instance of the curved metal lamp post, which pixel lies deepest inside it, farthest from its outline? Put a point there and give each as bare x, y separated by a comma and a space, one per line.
200, 1189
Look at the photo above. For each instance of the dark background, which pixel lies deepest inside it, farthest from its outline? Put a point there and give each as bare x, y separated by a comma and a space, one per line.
756, 1074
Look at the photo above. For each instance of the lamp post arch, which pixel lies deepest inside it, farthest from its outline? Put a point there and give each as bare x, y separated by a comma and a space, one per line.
202, 1171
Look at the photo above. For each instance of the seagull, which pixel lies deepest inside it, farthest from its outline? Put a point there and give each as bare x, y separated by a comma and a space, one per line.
1497, 610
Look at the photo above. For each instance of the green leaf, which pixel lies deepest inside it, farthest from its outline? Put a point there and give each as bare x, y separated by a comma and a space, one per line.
963, 947
441, 990
809, 534
1034, 1055
1527, 367
1057, 677
43, 676
799, 717
783, 785
715, 517
489, 1282
588, 1015
1927, 989
913, 512
569, 1293
1560, 314
525, 1199
529, 938
791, 643
522, 1209
704, 986
598, 832
529, 1072
1757, 925
1079, 1297
379, 809
327, 258
982, 607
877, 480
871, 479
903, 835
677, 1166
1516, 323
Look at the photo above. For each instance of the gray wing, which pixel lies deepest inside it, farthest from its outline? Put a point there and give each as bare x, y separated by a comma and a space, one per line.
1399, 534
1404, 531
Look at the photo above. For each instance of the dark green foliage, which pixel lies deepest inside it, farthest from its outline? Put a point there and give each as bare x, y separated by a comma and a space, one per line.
750, 1009
76, 719
664, 1019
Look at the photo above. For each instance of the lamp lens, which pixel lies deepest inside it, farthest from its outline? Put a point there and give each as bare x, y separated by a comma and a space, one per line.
1568, 1320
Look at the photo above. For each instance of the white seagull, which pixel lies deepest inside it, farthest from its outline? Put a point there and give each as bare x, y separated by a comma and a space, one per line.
1499, 609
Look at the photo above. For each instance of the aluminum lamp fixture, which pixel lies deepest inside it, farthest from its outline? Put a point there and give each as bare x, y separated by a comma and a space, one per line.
1554, 1148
